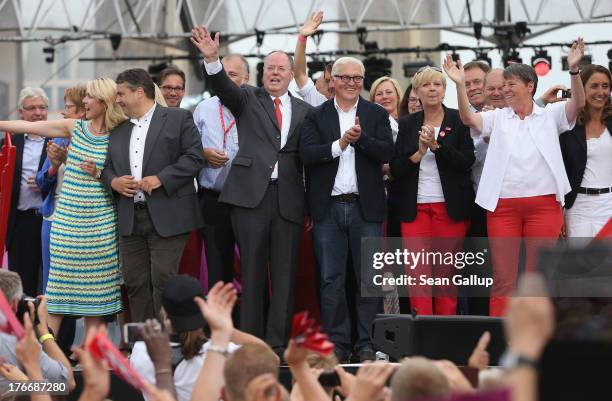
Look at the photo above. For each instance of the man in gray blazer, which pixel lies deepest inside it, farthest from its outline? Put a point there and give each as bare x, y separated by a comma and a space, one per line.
265, 187
150, 167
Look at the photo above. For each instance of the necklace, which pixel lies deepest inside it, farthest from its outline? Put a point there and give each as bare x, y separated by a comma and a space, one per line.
95, 131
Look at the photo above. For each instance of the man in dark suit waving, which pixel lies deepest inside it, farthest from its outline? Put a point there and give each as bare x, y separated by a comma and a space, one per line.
345, 142
150, 167
264, 186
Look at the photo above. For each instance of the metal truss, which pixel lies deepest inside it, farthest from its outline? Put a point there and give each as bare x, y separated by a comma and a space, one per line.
167, 20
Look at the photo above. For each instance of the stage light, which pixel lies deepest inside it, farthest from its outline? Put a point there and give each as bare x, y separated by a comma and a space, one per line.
511, 57
51, 54
482, 55
115, 40
411, 67
586, 60
541, 62
455, 57
375, 67
156, 69
315, 66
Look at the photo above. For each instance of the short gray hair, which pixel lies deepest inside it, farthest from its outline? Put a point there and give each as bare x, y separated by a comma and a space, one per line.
524, 72
10, 285
247, 68
289, 57
29, 91
344, 61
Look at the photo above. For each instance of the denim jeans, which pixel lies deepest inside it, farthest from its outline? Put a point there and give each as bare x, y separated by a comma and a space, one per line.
339, 231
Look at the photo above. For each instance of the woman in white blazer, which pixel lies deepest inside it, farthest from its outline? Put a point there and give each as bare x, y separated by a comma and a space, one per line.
523, 183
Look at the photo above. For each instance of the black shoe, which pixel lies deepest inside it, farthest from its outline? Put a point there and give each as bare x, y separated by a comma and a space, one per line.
342, 357
366, 354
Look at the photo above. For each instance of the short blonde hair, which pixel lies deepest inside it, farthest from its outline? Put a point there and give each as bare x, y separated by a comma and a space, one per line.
427, 74
396, 85
105, 90
159, 97
418, 378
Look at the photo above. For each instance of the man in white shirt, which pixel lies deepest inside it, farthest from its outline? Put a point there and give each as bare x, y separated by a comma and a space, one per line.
265, 187
152, 160
345, 142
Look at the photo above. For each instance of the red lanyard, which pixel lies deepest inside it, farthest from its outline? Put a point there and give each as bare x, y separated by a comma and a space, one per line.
225, 130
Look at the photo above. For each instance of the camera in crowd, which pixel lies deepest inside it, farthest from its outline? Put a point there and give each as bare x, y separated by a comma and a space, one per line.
23, 307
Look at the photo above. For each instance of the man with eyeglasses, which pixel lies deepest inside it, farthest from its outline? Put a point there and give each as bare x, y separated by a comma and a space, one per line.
265, 187
23, 240
345, 143
172, 81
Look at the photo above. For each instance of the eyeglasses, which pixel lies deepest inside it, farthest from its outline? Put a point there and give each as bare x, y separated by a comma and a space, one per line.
280, 68
169, 89
413, 100
347, 78
33, 108
67, 107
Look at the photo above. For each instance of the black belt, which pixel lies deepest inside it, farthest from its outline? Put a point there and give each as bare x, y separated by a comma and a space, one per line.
140, 205
346, 197
35, 212
594, 191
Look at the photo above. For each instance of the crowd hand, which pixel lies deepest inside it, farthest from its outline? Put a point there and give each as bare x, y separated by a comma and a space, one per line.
96, 375
149, 183
575, 54
454, 70
158, 344
124, 185
208, 47
263, 388
295, 354
27, 349
216, 158
11, 372
89, 167
480, 356
457, 381
41, 312
156, 394
32, 184
296, 391
311, 26
217, 308
370, 381
347, 381
550, 96
529, 320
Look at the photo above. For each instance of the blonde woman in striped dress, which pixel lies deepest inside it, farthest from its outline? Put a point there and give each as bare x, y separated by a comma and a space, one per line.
84, 269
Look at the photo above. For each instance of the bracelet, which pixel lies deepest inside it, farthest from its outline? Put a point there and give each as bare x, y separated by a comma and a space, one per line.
218, 350
574, 72
45, 337
302, 38
51, 172
162, 371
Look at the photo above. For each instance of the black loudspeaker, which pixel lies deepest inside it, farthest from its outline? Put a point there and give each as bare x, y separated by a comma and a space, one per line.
437, 337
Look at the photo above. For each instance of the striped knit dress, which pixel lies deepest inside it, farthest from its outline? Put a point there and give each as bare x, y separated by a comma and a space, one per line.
84, 269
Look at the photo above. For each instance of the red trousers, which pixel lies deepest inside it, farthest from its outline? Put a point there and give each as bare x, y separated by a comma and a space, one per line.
432, 221
538, 219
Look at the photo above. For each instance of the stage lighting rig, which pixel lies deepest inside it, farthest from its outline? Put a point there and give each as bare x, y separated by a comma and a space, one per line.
541, 62
511, 57
482, 55
375, 67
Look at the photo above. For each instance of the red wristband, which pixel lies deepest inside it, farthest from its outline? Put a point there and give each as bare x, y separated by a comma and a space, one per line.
51, 172
302, 38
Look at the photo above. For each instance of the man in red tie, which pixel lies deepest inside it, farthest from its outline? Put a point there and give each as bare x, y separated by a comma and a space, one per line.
265, 187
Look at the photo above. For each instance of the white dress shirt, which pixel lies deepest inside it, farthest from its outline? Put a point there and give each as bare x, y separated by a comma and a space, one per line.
430, 186
311, 95
137, 146
215, 67
506, 130
346, 177
598, 169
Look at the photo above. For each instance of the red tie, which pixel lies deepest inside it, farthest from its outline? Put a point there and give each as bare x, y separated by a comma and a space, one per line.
279, 114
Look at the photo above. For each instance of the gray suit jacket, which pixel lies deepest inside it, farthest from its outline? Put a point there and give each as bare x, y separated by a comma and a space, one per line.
259, 140
173, 152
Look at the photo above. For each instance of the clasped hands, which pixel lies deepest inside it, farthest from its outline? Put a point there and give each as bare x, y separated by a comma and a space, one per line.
351, 135
127, 186
427, 139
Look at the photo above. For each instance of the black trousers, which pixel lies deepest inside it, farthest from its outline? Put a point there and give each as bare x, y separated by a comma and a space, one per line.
267, 241
24, 250
218, 237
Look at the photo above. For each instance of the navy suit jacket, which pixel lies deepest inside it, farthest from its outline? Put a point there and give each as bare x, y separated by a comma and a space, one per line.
374, 148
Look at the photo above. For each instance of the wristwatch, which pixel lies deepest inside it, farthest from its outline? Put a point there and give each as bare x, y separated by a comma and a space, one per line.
512, 360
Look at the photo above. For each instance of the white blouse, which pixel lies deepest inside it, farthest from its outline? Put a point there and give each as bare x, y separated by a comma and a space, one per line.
508, 131
598, 170
430, 186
